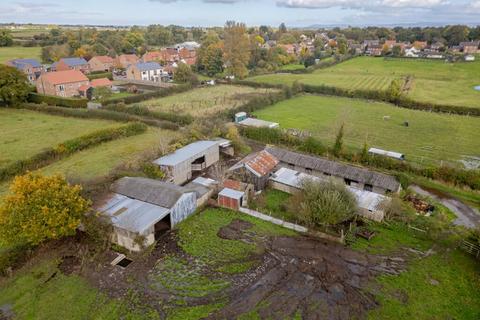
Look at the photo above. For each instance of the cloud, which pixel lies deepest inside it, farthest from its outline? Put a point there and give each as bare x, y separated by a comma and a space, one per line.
370, 5
205, 1
475, 5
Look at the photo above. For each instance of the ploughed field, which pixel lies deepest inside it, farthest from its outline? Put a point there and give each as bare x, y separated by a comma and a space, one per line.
205, 101
429, 138
10, 53
221, 264
430, 81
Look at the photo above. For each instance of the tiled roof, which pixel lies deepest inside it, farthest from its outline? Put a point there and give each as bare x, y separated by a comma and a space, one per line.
74, 61
102, 82
60, 77
232, 184
146, 66
103, 59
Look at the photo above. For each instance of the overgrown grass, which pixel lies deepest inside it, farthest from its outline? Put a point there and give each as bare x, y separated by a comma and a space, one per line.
275, 203
429, 139
442, 286
193, 313
199, 232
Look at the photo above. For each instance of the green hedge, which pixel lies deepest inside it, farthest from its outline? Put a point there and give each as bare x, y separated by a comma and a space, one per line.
182, 119
151, 95
100, 114
57, 101
100, 75
69, 147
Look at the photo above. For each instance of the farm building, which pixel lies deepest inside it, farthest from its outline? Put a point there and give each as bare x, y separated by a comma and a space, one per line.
385, 153
194, 157
230, 198
242, 119
370, 205
357, 177
204, 189
140, 207
246, 188
255, 169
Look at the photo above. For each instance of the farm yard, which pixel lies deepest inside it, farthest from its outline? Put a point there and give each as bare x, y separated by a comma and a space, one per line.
205, 101
430, 138
432, 81
10, 53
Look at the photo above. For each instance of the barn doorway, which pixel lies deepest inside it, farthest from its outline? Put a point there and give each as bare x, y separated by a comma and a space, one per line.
162, 227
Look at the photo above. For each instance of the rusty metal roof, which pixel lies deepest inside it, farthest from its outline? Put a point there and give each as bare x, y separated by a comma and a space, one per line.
260, 163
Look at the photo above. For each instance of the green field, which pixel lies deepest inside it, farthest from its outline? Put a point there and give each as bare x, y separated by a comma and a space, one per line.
430, 137
10, 53
205, 101
25, 133
433, 81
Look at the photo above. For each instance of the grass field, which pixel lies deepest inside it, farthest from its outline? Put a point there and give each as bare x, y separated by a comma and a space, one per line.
9, 53
25, 133
430, 137
205, 101
433, 81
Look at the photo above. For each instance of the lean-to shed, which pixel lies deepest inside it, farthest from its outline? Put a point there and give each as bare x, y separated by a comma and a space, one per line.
255, 168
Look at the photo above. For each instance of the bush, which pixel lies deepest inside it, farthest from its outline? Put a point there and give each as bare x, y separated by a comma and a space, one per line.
151, 95
57, 101
100, 75
14, 87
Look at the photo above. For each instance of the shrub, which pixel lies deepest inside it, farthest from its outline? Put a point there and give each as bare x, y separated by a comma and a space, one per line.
100, 75
40, 208
183, 119
151, 95
14, 87
57, 101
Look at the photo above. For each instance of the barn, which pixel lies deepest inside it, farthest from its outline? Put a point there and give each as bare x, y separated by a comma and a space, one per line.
370, 205
194, 157
141, 208
255, 169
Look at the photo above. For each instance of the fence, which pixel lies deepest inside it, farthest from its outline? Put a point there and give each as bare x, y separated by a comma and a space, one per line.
471, 248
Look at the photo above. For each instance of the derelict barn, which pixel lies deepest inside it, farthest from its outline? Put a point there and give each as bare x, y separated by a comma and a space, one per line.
356, 177
255, 169
370, 205
194, 157
147, 208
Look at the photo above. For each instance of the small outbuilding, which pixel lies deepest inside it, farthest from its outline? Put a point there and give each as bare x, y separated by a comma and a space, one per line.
258, 123
255, 169
385, 153
230, 198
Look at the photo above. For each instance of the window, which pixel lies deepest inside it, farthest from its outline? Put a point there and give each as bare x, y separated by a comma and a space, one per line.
308, 170
144, 73
61, 87
291, 165
327, 174
347, 181
368, 187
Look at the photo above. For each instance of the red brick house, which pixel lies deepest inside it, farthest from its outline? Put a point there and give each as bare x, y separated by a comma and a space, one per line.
61, 83
124, 60
470, 47
100, 63
65, 64
31, 67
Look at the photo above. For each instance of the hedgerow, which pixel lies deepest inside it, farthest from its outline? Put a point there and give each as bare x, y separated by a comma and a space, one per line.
57, 101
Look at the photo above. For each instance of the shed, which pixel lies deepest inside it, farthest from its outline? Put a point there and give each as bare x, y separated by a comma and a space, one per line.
385, 153
204, 189
231, 199
370, 205
141, 207
258, 123
196, 156
240, 116
255, 168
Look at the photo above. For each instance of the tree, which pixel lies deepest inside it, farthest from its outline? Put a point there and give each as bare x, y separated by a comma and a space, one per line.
184, 74
6, 39
323, 203
236, 48
282, 28
338, 146
213, 60
14, 87
56, 52
40, 208
397, 51
102, 93
394, 91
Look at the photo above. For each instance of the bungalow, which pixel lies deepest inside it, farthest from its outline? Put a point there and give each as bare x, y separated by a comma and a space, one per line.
61, 83
141, 210
64, 64
124, 60
146, 71
357, 177
31, 67
470, 47
100, 63
255, 169
370, 205
195, 157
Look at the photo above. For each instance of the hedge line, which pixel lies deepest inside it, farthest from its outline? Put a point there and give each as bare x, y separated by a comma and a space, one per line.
321, 65
151, 95
100, 114
401, 101
459, 177
57, 101
69, 147
100, 75
182, 119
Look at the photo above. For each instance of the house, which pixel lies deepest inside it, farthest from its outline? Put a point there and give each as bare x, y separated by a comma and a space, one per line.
412, 52
87, 90
31, 67
370, 205
470, 47
195, 157
189, 45
64, 64
141, 210
289, 48
420, 45
125, 60
357, 177
146, 71
368, 43
255, 169
101, 63
61, 83
374, 50
437, 46
230, 199
165, 55
390, 154
390, 43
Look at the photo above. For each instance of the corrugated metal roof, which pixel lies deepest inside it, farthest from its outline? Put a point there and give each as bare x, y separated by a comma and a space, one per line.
230, 193
338, 169
258, 123
260, 163
189, 151
207, 182
132, 215
22, 63
386, 153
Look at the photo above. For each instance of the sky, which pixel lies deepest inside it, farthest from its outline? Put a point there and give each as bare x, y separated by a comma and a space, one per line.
294, 13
